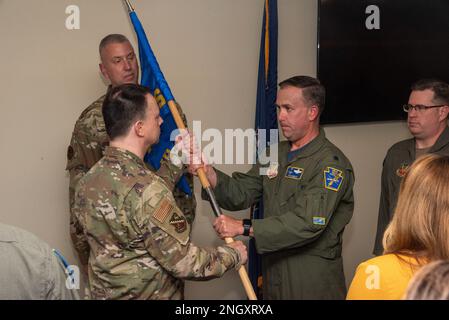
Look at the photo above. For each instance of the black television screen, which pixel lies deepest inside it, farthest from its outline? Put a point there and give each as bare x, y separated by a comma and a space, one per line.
370, 52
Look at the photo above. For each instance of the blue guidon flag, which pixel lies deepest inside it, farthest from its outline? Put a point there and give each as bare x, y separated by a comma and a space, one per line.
153, 78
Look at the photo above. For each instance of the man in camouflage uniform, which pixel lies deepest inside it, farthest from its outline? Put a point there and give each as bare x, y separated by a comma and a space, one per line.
308, 201
89, 139
139, 239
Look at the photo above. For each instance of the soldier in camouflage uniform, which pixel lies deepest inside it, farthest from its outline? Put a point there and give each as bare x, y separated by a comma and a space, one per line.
89, 138
139, 239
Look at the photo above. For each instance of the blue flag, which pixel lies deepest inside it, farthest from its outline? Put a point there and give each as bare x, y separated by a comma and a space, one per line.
153, 78
266, 116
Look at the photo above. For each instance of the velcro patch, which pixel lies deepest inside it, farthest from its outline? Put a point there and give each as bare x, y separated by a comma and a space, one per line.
179, 223
294, 173
319, 221
161, 213
400, 172
333, 179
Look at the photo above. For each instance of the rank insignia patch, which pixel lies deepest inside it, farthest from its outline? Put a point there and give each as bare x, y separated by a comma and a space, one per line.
294, 173
319, 221
333, 178
402, 170
179, 223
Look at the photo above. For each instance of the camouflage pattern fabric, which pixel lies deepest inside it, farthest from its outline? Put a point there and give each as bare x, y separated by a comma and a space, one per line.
139, 239
87, 145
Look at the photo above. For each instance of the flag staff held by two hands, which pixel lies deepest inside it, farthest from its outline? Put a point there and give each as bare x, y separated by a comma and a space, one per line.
180, 124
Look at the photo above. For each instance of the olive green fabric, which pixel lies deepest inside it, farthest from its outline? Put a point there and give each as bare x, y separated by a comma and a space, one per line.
306, 208
398, 159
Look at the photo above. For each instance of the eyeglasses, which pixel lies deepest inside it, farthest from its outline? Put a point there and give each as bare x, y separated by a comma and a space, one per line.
418, 107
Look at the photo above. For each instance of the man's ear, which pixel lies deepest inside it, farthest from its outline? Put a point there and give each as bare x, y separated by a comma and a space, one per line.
138, 128
314, 112
444, 112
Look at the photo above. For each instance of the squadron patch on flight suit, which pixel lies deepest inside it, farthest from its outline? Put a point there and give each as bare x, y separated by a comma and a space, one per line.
400, 172
333, 178
294, 173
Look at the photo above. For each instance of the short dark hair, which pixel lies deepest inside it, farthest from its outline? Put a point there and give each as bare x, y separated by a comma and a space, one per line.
112, 38
312, 90
440, 89
123, 106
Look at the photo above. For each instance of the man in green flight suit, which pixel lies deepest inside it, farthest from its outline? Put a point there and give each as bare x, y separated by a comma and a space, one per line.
139, 240
427, 113
307, 196
89, 139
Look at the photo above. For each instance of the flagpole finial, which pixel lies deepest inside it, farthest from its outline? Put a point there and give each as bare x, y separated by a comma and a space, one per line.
130, 7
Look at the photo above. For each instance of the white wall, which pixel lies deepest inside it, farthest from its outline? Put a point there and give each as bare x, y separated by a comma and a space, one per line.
208, 50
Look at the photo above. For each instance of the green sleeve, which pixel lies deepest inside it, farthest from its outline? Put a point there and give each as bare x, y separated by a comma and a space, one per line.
239, 191
314, 209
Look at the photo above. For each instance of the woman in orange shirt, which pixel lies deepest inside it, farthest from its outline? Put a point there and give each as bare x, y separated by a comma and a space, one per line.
417, 234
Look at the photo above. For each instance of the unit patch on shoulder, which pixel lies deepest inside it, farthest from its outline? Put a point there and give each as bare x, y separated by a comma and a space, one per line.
178, 222
402, 170
163, 211
333, 179
294, 173
319, 221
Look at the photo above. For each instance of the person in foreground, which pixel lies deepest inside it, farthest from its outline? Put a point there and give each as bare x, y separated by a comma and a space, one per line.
139, 240
30, 269
431, 282
417, 235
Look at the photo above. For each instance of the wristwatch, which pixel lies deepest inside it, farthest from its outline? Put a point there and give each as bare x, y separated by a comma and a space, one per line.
247, 223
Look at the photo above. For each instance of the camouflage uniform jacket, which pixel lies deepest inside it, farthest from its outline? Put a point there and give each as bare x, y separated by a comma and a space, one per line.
139, 239
87, 145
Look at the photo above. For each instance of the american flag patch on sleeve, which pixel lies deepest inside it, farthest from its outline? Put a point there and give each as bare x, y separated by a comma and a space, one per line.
161, 213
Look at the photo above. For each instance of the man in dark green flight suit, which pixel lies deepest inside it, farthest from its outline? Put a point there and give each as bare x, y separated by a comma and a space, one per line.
308, 201
427, 113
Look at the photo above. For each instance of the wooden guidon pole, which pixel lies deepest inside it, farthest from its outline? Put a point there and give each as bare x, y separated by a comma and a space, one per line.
216, 208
